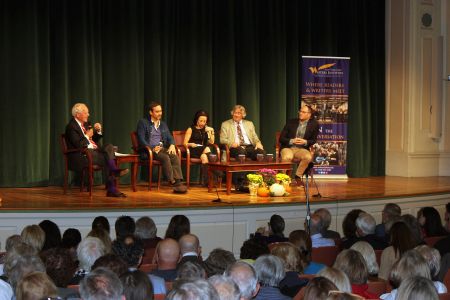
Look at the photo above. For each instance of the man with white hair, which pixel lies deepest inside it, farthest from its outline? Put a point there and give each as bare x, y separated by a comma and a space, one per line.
80, 135
270, 270
325, 215
365, 231
245, 277
101, 284
315, 231
390, 213
88, 250
225, 287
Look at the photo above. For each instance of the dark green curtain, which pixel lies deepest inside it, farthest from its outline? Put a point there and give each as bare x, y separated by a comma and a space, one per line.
118, 55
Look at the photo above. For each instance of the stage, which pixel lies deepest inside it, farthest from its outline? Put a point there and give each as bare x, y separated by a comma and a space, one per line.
219, 224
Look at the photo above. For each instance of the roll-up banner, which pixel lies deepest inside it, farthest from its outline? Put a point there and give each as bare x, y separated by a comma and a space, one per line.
325, 89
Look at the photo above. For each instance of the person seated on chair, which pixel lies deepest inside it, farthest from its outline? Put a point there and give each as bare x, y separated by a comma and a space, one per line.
296, 137
154, 133
240, 135
315, 230
198, 137
79, 136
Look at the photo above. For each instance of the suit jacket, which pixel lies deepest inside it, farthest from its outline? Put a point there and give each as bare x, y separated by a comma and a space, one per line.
228, 132
290, 130
75, 139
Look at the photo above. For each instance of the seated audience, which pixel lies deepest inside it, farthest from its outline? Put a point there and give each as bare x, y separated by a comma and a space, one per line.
353, 265
274, 233
339, 278
445, 266
136, 285
70, 240
365, 231
146, 231
401, 241
433, 259
190, 270
244, 275
370, 258
252, 249
167, 256
315, 229
101, 284
270, 272
179, 225
112, 262
318, 288
302, 241
195, 289
36, 285
226, 288
130, 249
88, 251
34, 236
291, 284
103, 236
391, 211
124, 226
190, 249
418, 288
326, 221
218, 261
443, 246
430, 221
11, 242
414, 227
101, 222
52, 234
349, 223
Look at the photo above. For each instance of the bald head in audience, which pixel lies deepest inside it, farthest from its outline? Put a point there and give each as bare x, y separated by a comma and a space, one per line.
189, 243
167, 254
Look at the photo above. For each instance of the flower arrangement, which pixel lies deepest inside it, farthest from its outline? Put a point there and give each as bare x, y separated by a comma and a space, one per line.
283, 178
255, 178
268, 176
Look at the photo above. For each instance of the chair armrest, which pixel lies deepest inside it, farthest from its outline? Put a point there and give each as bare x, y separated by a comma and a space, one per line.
217, 150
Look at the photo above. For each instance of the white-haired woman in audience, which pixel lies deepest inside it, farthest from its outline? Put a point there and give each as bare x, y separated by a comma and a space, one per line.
89, 249
433, 259
417, 288
369, 256
270, 271
339, 278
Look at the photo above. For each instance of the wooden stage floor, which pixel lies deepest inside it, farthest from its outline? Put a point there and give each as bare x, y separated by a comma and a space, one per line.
376, 188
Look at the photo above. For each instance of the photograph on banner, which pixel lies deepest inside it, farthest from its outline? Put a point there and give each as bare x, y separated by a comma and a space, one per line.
330, 157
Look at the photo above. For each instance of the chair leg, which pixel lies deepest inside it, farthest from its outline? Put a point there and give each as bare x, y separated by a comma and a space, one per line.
150, 172
66, 176
188, 174
82, 180
159, 176
91, 182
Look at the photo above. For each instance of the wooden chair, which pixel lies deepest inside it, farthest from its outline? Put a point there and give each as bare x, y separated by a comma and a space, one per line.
149, 163
159, 296
446, 280
430, 241
377, 287
325, 255
445, 296
90, 168
147, 268
149, 253
186, 158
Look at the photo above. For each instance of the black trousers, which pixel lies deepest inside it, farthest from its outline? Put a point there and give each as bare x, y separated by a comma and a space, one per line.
248, 151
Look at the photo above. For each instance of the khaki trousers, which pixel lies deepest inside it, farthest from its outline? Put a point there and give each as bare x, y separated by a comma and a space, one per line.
301, 155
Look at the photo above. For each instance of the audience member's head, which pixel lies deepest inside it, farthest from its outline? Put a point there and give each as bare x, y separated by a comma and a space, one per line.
21, 260
339, 278
179, 225
191, 270
390, 210
101, 222
348, 224
302, 241
432, 257
365, 224
88, 251
277, 225
417, 288
409, 265
316, 224
52, 234
338, 295
189, 243
290, 255
195, 289
103, 236
71, 238
325, 215
253, 248
145, 228
402, 239
129, 249
136, 285
414, 228
270, 270
112, 262
244, 275
35, 286
218, 261
124, 226
225, 287
368, 254
431, 222
352, 263
11, 241
447, 217
59, 265
34, 236
167, 254
318, 288
101, 284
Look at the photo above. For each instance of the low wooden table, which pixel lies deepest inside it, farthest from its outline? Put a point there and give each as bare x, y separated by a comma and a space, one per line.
233, 167
133, 159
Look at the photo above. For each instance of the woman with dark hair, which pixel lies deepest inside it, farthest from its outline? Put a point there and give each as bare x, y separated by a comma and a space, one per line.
102, 223
302, 241
349, 223
136, 285
179, 225
431, 222
402, 240
52, 234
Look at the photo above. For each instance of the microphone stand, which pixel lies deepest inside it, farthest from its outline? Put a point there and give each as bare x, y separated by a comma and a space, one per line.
308, 208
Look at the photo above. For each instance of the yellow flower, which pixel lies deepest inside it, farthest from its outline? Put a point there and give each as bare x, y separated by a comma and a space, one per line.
281, 177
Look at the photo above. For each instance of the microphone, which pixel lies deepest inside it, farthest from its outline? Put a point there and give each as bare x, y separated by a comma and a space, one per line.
217, 200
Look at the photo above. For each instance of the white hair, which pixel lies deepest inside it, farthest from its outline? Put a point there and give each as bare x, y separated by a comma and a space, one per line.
241, 108
366, 223
245, 277
89, 249
225, 287
77, 108
368, 253
432, 257
338, 277
270, 270
417, 287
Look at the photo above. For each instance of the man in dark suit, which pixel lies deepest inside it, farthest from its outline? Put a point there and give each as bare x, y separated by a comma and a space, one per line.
296, 138
190, 249
79, 135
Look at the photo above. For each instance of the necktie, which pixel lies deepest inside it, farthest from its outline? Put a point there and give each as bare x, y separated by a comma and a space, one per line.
240, 135
90, 138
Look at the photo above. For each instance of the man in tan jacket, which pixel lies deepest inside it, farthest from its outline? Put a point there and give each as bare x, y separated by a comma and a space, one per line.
240, 135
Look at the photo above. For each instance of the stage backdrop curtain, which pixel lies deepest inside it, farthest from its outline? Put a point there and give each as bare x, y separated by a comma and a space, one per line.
118, 55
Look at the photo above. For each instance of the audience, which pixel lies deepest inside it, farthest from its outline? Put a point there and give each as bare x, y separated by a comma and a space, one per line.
315, 229
369, 256
274, 233
101, 222
365, 231
252, 249
225, 287
433, 260
101, 284
146, 231
391, 211
318, 288
179, 225
124, 226
339, 278
417, 288
195, 289
190, 249
302, 241
70, 240
443, 245
34, 236
244, 275
112, 262
35, 286
167, 257
190, 270
103, 236
414, 227
430, 222
218, 261
270, 272
325, 215
136, 285
88, 251
349, 223
52, 234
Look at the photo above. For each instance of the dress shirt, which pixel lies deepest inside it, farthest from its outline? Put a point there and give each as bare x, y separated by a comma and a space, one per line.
319, 241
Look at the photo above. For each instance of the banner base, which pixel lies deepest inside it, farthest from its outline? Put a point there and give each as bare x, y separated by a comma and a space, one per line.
331, 177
